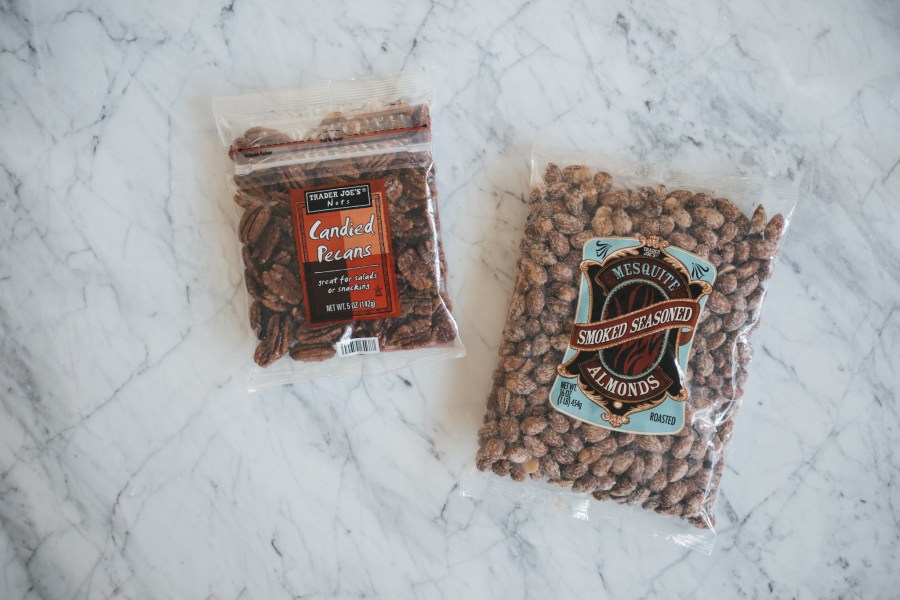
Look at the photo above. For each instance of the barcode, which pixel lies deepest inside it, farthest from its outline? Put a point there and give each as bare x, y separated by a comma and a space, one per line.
357, 346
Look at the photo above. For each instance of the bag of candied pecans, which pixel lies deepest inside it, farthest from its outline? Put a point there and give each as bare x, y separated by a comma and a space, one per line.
627, 340
339, 228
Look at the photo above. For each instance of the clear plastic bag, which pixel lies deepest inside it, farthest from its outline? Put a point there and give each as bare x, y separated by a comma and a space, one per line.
339, 227
627, 340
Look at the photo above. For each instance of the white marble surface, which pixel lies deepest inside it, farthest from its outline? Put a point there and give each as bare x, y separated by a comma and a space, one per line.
133, 463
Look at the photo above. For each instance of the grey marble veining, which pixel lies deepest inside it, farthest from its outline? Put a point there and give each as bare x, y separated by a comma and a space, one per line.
133, 463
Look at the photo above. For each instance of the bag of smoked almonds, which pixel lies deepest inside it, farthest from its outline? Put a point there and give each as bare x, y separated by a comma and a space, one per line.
627, 340
339, 229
